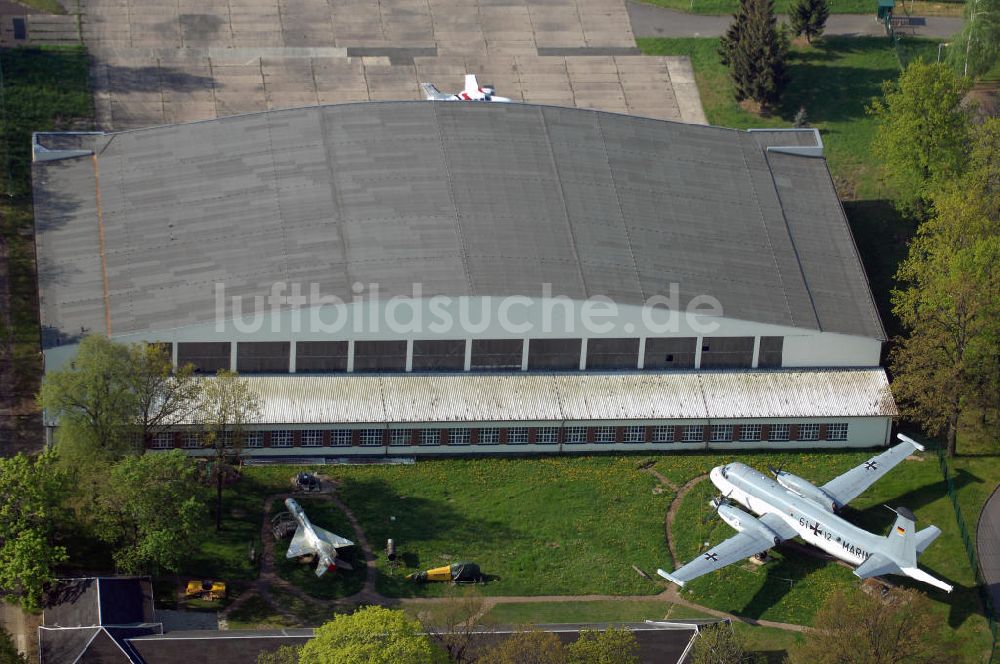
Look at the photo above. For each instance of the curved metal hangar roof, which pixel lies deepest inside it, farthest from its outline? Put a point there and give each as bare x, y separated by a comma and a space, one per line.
467, 199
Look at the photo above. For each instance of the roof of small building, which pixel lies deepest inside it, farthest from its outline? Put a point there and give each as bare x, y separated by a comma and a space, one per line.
465, 199
557, 397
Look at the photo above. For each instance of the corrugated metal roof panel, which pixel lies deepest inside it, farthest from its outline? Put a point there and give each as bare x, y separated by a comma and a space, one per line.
466, 199
457, 398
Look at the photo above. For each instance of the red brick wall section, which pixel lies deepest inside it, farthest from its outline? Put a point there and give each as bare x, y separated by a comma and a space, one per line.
647, 435
296, 438
591, 433
706, 433
737, 430
823, 431
355, 438
532, 435
503, 436
793, 432
678, 434
765, 431
619, 434
474, 437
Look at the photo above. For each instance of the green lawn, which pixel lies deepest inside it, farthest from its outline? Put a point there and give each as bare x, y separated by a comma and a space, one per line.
576, 525
917, 8
539, 526
526, 613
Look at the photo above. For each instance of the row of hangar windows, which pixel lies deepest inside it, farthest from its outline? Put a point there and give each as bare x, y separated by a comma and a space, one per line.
687, 433
481, 355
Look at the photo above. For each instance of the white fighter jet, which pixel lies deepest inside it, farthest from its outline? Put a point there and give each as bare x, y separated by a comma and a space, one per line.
790, 506
472, 92
313, 540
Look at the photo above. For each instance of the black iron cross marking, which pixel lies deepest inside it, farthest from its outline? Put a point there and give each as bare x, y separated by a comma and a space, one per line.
714, 557
871, 465
816, 529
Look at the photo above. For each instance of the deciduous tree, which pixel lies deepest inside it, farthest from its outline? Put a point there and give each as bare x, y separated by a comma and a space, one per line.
30, 493
375, 635
857, 628
755, 49
527, 647
149, 511
457, 625
226, 407
610, 646
720, 644
115, 397
283, 655
93, 401
949, 300
808, 17
976, 49
923, 131
164, 397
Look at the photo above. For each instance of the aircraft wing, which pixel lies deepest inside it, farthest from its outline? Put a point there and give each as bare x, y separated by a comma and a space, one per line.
854, 482
336, 540
298, 546
471, 84
739, 546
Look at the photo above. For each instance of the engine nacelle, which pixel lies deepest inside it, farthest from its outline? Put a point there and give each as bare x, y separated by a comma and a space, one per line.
741, 521
807, 490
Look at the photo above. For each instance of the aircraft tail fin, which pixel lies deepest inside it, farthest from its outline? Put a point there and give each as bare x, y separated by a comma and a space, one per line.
431, 93
901, 542
471, 84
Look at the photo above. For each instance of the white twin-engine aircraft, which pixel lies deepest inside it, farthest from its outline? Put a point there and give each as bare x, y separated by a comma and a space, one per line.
472, 92
789, 505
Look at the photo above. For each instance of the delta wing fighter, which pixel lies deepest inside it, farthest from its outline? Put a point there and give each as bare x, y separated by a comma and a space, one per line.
310, 540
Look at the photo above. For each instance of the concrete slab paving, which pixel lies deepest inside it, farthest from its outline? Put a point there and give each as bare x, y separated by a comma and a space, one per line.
196, 59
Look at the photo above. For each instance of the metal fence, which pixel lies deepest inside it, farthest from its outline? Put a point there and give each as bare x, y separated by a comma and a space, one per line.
970, 551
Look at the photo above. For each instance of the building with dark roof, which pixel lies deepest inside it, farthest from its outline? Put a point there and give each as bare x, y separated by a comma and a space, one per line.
473, 278
91, 620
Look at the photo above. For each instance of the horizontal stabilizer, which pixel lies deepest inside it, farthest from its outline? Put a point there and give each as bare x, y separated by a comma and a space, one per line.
670, 578
920, 575
925, 537
907, 439
876, 565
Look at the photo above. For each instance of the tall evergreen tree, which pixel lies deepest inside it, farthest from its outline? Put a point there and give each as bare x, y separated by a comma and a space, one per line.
754, 49
808, 17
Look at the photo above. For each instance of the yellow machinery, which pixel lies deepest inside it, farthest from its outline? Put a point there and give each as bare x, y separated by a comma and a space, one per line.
463, 572
205, 590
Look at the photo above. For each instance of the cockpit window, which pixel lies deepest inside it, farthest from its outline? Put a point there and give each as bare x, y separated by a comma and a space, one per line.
725, 472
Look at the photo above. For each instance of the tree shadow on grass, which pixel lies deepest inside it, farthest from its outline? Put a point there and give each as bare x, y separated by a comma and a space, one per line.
831, 93
882, 235
416, 521
877, 519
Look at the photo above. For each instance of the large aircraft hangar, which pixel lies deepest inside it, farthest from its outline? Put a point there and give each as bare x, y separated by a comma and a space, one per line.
411, 278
